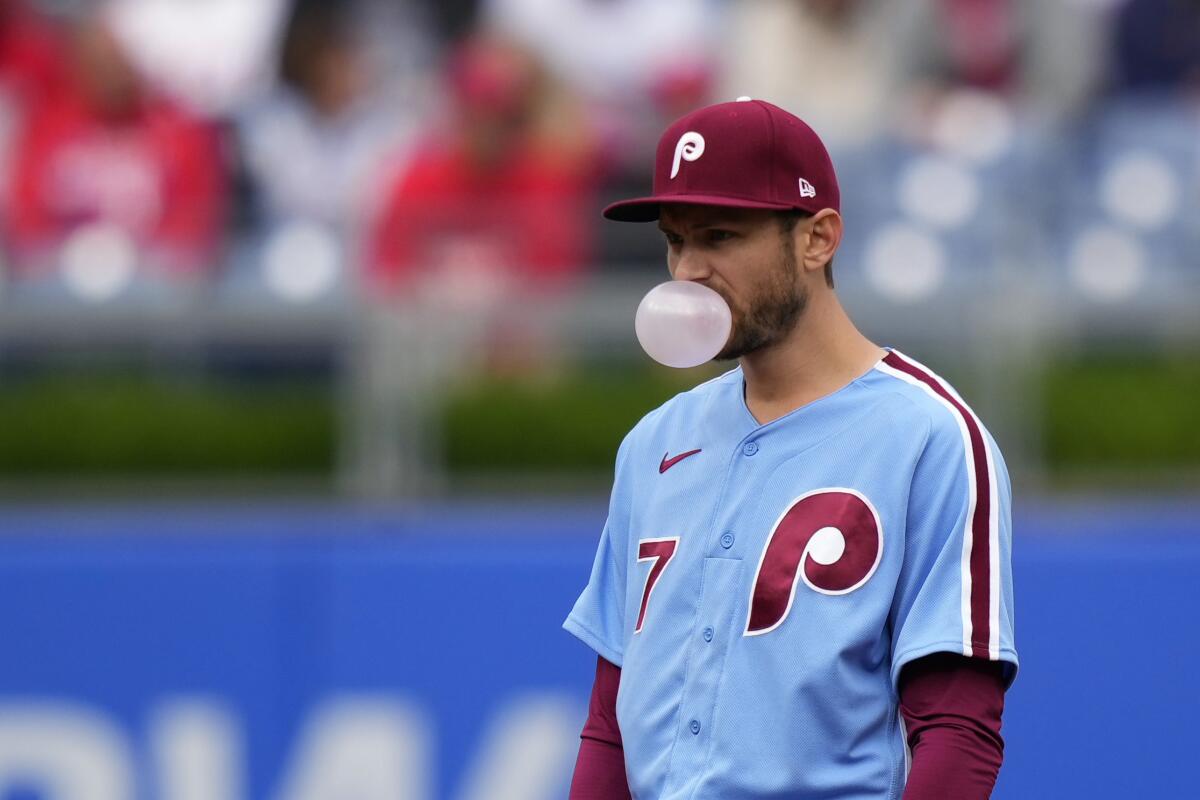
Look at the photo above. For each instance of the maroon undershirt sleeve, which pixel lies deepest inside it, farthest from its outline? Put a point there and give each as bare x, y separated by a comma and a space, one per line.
951, 706
600, 767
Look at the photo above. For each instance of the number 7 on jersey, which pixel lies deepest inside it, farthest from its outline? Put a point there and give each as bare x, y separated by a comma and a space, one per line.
660, 551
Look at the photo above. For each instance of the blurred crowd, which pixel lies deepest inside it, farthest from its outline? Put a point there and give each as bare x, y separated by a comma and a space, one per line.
403, 147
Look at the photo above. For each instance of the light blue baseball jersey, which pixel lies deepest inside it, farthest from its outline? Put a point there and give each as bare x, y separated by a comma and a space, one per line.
761, 586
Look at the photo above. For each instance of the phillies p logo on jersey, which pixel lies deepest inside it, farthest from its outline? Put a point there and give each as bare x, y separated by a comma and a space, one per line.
831, 539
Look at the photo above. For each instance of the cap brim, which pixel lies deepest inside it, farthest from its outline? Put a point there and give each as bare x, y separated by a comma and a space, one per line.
646, 209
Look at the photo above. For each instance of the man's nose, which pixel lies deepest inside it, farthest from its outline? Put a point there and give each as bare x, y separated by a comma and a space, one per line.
691, 266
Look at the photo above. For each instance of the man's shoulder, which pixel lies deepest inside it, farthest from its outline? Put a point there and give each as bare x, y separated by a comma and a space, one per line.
925, 397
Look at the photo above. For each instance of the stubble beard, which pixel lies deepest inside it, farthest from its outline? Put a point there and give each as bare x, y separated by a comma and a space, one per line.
773, 312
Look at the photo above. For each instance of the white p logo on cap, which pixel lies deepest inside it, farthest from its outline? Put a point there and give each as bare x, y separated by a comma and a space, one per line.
689, 148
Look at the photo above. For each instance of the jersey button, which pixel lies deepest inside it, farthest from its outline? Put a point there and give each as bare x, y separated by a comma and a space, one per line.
750, 448
727, 540
708, 634
694, 727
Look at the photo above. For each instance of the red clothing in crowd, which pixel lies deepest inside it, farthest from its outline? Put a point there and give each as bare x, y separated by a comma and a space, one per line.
153, 171
526, 216
982, 41
31, 69
31, 56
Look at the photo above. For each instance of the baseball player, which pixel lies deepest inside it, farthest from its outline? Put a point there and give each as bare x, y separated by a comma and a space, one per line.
803, 588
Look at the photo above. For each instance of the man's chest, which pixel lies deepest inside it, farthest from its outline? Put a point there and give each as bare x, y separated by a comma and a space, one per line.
804, 520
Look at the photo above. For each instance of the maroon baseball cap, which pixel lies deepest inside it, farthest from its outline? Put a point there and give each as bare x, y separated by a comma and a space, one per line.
744, 154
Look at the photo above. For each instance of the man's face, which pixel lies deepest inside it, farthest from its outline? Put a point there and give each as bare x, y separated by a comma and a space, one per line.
747, 257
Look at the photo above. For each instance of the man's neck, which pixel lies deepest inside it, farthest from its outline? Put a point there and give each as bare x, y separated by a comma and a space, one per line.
821, 355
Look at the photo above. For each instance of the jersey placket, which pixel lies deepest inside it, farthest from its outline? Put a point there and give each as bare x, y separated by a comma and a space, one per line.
715, 627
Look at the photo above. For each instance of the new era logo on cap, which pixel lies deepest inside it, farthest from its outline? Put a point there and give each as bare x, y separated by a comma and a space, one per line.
744, 154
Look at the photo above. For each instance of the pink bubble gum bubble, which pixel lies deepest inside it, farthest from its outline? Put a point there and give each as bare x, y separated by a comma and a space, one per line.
682, 324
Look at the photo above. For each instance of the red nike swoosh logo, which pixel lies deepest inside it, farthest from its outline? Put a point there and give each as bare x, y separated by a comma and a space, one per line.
667, 463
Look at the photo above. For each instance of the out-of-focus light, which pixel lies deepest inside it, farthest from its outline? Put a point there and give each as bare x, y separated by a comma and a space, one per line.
98, 262
1107, 264
301, 262
938, 191
1139, 188
905, 263
973, 125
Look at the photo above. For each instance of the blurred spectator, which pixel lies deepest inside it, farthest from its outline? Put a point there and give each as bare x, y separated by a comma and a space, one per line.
1157, 46
453, 20
104, 152
1045, 58
635, 64
835, 63
857, 68
315, 145
496, 198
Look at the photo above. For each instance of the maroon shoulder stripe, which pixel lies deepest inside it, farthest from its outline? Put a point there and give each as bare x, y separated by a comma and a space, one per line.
981, 556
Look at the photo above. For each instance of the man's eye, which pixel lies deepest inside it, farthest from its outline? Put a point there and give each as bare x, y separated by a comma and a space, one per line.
672, 239
719, 235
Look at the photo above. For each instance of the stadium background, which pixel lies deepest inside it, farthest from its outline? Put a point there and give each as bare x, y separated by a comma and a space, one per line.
314, 357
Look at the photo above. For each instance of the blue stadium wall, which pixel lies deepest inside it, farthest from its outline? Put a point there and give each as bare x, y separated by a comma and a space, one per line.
330, 653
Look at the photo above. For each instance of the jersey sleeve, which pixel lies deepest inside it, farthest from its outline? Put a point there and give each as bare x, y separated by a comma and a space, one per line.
955, 586
598, 618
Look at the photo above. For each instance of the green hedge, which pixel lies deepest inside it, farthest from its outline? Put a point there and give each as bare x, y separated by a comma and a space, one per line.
1134, 414
573, 423
1127, 412
121, 424
1131, 417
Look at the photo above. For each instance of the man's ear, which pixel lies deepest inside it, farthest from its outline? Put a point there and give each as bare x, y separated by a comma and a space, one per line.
824, 235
